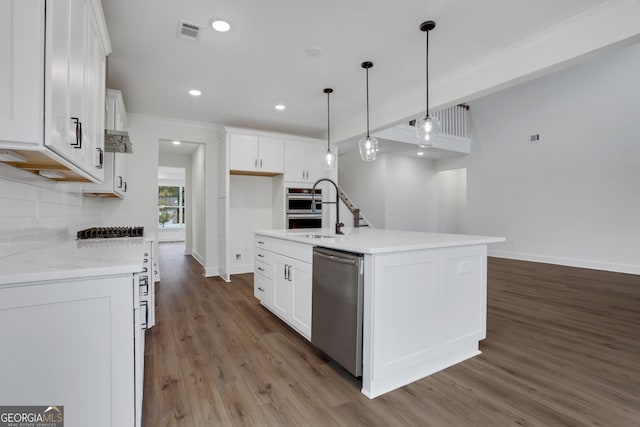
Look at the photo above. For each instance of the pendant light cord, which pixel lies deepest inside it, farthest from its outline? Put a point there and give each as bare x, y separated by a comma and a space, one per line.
367, 69
427, 71
328, 125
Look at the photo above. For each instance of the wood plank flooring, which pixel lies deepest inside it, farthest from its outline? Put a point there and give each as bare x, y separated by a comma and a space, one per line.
562, 349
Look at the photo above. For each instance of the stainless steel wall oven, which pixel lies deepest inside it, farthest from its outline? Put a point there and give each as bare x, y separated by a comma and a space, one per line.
300, 208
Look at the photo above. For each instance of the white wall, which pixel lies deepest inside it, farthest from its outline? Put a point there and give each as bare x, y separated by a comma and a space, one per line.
250, 208
36, 212
364, 184
140, 205
410, 192
394, 192
571, 198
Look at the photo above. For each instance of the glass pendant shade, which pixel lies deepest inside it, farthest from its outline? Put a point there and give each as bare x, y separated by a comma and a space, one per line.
427, 129
329, 160
368, 145
368, 148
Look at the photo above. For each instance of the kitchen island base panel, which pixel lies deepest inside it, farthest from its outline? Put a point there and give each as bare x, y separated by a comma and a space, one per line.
380, 386
423, 312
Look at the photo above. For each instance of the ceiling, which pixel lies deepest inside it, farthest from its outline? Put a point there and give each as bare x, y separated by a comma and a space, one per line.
182, 149
262, 62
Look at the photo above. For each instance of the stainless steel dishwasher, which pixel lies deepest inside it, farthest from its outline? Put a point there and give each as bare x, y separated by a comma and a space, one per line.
337, 298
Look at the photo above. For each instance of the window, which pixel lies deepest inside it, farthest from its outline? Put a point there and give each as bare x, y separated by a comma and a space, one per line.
170, 206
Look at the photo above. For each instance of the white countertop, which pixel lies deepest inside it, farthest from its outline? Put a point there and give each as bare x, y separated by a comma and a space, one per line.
74, 259
368, 241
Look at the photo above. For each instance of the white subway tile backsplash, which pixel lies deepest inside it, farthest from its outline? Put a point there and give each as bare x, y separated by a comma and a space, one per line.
34, 212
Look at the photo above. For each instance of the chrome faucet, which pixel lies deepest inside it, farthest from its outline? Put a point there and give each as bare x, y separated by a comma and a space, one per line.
339, 225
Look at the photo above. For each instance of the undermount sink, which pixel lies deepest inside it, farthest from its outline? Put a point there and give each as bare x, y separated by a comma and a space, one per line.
317, 236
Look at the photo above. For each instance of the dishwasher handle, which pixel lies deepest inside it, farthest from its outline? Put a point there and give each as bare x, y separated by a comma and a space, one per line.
336, 259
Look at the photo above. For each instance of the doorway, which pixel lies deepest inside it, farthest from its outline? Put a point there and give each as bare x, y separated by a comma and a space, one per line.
181, 168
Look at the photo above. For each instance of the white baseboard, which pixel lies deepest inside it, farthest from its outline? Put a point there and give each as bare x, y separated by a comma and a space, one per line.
570, 262
211, 271
197, 257
239, 269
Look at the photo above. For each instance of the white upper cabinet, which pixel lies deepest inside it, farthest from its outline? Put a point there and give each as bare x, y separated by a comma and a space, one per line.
257, 154
21, 67
115, 182
58, 75
303, 161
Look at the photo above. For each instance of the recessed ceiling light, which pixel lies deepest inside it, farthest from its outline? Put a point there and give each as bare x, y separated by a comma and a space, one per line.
176, 142
220, 25
420, 153
194, 92
281, 107
313, 51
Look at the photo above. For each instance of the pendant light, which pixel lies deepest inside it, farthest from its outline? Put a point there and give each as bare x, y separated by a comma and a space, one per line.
428, 127
369, 145
329, 161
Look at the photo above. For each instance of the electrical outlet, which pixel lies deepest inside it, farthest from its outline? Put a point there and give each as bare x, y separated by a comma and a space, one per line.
238, 257
532, 139
463, 267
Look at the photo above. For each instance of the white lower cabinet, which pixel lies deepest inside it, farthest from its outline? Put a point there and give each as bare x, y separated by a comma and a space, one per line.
282, 283
71, 343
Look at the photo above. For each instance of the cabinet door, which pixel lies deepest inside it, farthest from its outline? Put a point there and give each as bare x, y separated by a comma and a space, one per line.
94, 101
313, 161
21, 72
294, 168
300, 312
271, 152
73, 343
243, 152
281, 287
62, 131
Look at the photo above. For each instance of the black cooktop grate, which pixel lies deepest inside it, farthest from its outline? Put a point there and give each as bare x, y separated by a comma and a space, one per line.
110, 232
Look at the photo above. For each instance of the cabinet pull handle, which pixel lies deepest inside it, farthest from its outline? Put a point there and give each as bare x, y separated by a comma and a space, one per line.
255, 163
119, 182
285, 272
78, 123
289, 273
260, 243
260, 163
261, 256
260, 289
100, 158
125, 186
260, 268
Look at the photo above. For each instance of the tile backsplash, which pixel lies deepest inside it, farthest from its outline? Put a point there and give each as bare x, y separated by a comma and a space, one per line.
36, 212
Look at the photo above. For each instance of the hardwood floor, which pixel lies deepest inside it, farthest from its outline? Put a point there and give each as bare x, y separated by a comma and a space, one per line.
562, 349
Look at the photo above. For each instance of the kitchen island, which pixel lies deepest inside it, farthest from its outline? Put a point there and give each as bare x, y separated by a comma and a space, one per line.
424, 303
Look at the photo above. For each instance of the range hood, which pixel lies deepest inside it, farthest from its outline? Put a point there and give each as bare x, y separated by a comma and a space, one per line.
116, 141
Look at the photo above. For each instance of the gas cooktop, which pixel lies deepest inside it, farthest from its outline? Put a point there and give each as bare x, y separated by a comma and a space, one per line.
110, 232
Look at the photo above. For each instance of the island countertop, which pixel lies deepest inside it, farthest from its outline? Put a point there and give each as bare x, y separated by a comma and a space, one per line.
372, 241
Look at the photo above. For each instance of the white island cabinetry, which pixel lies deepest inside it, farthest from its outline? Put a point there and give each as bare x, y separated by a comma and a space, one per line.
282, 281
424, 298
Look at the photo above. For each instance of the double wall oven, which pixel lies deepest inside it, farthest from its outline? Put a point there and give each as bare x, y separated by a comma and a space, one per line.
303, 209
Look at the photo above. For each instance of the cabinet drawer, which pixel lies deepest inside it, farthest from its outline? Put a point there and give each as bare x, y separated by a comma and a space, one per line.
299, 251
260, 288
264, 269
264, 256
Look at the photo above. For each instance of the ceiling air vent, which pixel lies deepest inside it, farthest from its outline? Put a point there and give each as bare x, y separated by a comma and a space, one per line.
188, 31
